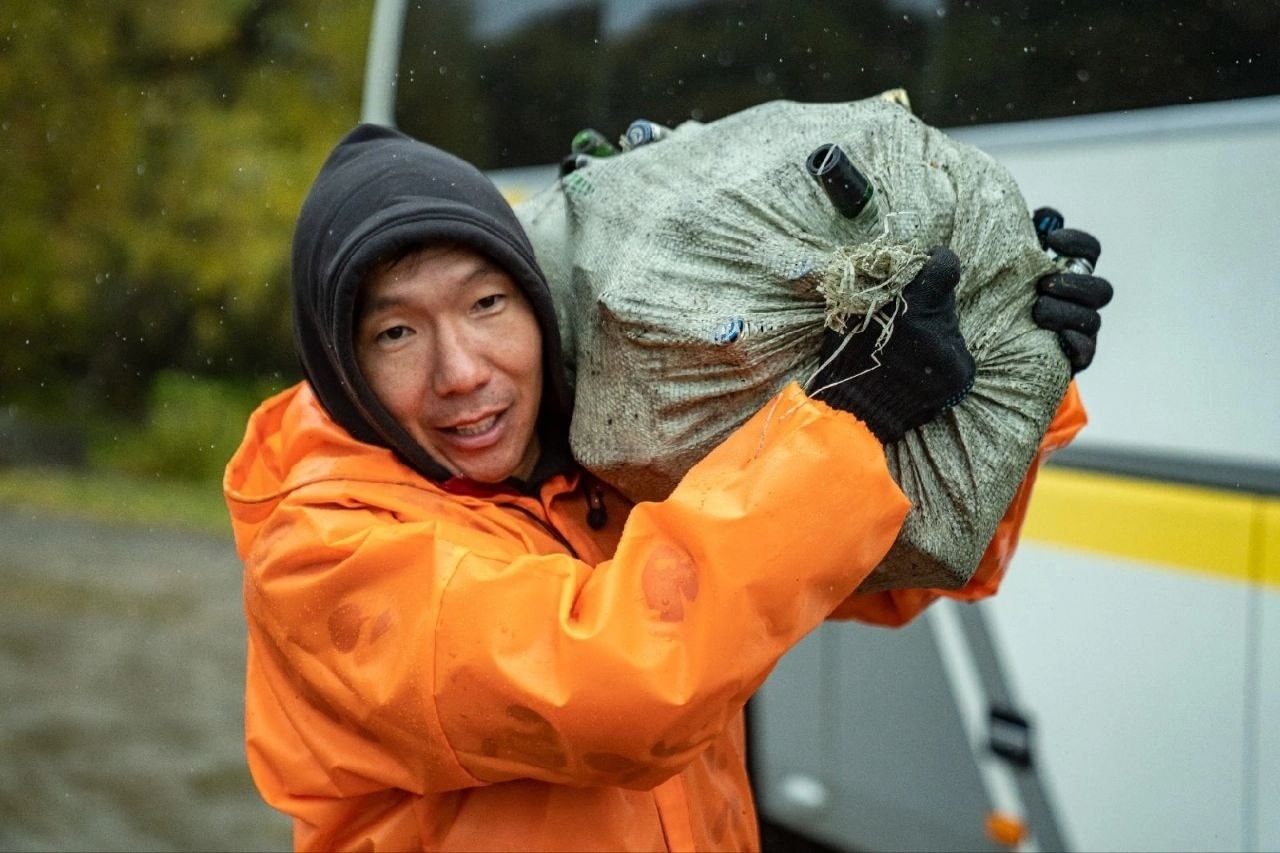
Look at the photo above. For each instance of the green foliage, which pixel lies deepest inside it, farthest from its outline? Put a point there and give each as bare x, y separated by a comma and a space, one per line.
154, 156
193, 425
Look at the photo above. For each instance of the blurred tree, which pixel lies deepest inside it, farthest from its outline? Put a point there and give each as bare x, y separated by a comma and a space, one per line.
154, 156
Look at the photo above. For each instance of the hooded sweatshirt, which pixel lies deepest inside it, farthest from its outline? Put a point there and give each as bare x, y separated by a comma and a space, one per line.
379, 194
436, 664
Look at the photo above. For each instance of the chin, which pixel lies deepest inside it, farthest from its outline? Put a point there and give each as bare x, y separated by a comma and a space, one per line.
491, 473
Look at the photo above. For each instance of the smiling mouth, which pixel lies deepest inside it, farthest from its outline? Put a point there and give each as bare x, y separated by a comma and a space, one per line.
475, 427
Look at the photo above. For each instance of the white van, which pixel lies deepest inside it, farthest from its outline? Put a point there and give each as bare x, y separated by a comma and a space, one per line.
1123, 690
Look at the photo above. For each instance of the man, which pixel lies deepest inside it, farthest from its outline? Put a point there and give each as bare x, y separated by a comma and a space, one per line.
458, 639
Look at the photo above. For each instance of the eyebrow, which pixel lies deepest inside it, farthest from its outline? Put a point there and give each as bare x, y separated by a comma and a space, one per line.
378, 304
481, 268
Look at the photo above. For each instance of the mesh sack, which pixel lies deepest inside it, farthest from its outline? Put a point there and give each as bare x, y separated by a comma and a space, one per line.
693, 278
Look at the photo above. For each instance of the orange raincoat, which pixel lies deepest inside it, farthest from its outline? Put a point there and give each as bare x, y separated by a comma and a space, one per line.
436, 666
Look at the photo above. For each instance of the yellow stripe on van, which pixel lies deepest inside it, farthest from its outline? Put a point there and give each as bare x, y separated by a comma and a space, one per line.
1226, 534
515, 195
1270, 546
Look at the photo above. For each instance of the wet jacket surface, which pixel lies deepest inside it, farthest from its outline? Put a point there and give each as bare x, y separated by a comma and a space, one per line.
437, 665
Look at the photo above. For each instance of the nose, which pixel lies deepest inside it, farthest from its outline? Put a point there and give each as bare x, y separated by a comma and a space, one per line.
459, 364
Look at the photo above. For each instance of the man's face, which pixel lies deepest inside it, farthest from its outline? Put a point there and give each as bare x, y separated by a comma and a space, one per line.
450, 345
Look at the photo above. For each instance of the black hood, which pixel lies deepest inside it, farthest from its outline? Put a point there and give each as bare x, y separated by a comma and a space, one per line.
379, 194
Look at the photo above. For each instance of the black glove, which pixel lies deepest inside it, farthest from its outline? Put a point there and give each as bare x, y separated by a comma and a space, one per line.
925, 367
1068, 302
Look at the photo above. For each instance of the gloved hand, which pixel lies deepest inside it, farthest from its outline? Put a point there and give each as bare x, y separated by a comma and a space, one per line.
924, 367
1068, 302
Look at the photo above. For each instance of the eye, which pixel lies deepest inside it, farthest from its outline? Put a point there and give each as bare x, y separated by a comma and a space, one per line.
394, 334
491, 302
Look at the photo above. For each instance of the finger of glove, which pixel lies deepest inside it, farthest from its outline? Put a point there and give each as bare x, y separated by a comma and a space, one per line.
936, 280
1058, 315
1046, 220
1087, 290
1074, 244
1079, 348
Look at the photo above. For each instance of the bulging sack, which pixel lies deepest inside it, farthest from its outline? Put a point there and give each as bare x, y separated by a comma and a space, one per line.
694, 276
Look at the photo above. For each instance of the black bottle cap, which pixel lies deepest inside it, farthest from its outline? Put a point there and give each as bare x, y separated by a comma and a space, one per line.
848, 189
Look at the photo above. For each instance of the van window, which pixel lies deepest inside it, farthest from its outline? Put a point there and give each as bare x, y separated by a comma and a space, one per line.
508, 83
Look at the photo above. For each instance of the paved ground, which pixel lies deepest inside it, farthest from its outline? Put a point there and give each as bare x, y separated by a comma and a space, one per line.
121, 679
121, 694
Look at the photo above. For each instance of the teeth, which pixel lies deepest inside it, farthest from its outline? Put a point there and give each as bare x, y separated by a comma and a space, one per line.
477, 427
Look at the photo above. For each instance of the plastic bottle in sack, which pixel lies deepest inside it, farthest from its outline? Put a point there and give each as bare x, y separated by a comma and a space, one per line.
642, 132
848, 189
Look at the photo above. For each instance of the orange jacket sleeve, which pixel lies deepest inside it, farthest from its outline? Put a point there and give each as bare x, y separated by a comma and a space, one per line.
436, 647
898, 606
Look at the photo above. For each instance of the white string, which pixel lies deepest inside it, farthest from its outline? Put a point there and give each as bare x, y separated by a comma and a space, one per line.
886, 330
848, 267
